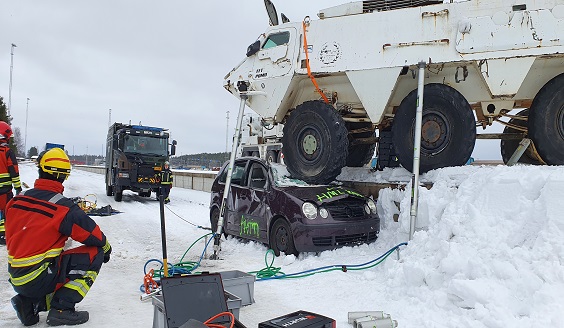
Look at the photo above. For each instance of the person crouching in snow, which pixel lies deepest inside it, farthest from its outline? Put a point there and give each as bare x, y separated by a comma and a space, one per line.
38, 223
166, 182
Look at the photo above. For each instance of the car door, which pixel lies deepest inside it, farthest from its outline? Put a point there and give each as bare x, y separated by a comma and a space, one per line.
254, 217
238, 196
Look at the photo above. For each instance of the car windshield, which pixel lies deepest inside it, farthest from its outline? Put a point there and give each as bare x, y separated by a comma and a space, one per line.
146, 145
282, 177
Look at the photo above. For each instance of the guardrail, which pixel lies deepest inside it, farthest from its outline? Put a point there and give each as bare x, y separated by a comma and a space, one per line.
182, 178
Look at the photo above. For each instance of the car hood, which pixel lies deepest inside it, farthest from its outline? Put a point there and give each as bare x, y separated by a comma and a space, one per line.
321, 194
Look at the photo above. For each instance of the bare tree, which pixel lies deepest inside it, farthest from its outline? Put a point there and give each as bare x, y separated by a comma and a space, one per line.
19, 141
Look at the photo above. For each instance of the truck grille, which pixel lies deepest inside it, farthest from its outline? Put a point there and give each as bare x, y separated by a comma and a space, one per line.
369, 6
346, 240
346, 209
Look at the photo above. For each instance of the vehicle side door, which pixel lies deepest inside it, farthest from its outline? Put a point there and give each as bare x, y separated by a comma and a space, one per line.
254, 221
237, 198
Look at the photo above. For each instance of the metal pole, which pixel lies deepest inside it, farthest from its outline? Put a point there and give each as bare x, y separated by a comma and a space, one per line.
10, 86
417, 150
163, 236
25, 138
244, 95
227, 134
523, 145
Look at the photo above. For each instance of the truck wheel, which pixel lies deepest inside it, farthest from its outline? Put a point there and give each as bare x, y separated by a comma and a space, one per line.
448, 131
281, 238
315, 143
272, 156
546, 121
508, 147
363, 153
118, 193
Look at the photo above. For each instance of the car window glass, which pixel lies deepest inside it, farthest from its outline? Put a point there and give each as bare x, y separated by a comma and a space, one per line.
276, 40
238, 174
257, 176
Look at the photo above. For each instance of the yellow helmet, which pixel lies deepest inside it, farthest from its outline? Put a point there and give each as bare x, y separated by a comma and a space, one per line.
55, 162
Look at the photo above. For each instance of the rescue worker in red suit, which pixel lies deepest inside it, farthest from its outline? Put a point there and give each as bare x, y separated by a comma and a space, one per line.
9, 174
38, 223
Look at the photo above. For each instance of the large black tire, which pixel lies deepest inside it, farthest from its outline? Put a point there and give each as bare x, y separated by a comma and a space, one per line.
272, 156
508, 147
386, 152
448, 133
363, 153
118, 193
315, 143
281, 238
546, 121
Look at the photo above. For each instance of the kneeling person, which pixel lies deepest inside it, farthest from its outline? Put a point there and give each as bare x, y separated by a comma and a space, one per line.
38, 223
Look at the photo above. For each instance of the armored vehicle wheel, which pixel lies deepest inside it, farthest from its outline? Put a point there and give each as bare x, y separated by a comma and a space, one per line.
508, 147
315, 143
272, 156
546, 121
214, 219
362, 153
448, 130
281, 238
118, 193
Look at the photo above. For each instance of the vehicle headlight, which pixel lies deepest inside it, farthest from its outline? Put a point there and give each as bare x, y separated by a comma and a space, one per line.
323, 212
309, 210
372, 206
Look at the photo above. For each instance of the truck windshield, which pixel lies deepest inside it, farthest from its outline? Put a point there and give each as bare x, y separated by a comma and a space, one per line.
146, 145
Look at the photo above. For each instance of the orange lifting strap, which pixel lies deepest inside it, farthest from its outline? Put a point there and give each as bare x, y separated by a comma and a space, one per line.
304, 24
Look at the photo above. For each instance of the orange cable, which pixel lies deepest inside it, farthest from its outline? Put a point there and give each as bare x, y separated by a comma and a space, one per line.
308, 68
213, 325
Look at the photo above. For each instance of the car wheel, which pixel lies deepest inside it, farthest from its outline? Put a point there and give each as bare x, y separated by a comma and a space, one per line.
315, 142
214, 219
508, 147
546, 121
281, 238
448, 129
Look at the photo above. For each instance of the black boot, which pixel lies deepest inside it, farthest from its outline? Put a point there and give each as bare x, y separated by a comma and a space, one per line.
2, 238
25, 309
66, 317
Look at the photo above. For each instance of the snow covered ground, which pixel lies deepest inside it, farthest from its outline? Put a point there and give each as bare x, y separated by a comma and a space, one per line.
488, 252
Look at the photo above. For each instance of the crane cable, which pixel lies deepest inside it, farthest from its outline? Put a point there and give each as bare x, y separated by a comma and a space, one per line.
305, 23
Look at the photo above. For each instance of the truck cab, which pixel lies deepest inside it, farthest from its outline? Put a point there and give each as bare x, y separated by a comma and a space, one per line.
135, 156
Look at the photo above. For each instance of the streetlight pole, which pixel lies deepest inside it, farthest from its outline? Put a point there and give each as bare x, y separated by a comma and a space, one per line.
10, 87
25, 138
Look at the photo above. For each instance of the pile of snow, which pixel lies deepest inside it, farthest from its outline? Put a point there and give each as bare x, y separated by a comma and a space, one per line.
488, 252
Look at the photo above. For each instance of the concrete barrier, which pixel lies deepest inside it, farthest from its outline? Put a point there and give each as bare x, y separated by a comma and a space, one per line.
182, 179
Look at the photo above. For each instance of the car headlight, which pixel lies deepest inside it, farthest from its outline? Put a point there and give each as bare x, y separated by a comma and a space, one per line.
309, 210
372, 206
323, 212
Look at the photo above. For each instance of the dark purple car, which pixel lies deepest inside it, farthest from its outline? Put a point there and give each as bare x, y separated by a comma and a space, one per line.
288, 215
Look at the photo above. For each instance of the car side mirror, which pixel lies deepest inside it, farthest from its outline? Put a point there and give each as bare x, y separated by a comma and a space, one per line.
173, 148
253, 48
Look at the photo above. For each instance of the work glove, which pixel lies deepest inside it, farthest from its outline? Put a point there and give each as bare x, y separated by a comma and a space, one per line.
18, 191
107, 254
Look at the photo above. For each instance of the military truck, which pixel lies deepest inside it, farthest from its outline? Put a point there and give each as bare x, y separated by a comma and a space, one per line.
135, 156
334, 81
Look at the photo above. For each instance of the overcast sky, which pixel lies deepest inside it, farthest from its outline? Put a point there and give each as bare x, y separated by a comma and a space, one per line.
160, 63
